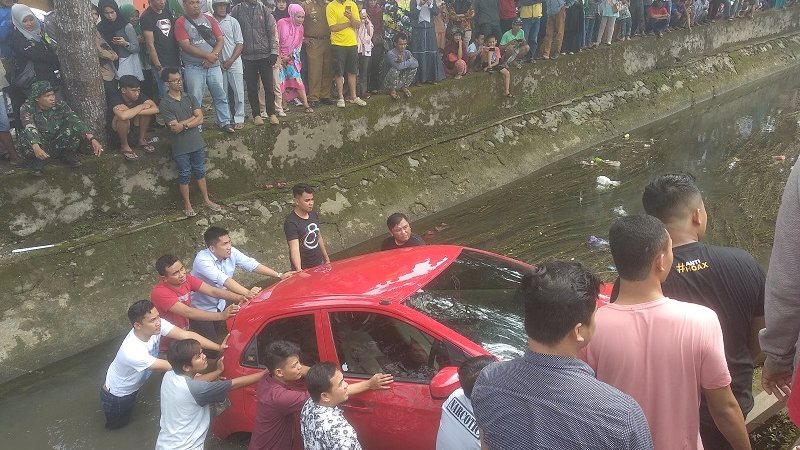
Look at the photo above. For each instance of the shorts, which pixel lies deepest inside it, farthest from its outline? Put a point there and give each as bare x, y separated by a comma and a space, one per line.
5, 124
117, 409
191, 163
345, 60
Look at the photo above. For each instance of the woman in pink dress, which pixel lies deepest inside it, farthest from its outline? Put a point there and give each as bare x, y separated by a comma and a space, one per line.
290, 35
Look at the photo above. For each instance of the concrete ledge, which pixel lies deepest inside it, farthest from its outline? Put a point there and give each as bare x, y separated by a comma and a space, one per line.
61, 301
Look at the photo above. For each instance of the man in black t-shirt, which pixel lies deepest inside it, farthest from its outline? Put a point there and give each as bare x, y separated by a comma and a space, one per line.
306, 246
727, 280
131, 112
157, 27
400, 235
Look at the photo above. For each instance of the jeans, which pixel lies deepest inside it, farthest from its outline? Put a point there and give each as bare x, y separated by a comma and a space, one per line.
232, 81
531, 28
727, 9
188, 163
254, 70
197, 78
626, 27
117, 409
588, 37
658, 26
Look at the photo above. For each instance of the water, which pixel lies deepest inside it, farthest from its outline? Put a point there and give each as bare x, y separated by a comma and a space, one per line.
728, 144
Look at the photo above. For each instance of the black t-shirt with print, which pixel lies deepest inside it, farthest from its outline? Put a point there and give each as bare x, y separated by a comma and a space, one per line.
162, 25
390, 244
308, 233
730, 282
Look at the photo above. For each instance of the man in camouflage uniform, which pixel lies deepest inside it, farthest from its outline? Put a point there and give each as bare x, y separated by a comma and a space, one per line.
50, 128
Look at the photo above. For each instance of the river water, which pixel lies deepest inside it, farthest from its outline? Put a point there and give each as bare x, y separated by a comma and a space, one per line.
728, 143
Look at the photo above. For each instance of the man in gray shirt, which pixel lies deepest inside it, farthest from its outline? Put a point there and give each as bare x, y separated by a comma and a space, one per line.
183, 115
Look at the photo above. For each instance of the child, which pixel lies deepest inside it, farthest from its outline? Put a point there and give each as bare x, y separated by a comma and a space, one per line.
474, 51
627, 21
364, 35
491, 61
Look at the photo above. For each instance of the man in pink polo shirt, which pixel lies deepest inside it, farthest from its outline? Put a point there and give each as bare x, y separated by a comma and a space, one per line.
662, 352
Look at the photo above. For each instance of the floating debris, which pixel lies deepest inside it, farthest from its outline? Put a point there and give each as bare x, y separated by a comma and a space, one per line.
596, 243
620, 211
603, 182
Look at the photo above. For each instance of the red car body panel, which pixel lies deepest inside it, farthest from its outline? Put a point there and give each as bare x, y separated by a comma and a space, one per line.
403, 417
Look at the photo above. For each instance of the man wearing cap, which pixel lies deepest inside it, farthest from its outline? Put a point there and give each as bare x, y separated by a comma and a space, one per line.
259, 54
515, 47
50, 128
231, 60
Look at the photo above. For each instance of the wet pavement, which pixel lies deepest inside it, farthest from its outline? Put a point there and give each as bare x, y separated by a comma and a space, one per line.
730, 144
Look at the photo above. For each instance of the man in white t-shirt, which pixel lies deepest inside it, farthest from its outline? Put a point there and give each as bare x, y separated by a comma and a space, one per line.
457, 427
186, 396
136, 358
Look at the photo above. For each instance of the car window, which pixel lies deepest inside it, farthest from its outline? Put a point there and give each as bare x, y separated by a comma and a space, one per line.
297, 329
368, 343
475, 296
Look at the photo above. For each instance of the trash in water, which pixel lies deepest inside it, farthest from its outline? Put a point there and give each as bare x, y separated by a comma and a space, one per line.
603, 182
610, 162
733, 163
779, 157
620, 211
585, 163
627, 135
441, 227
595, 242
611, 267
646, 145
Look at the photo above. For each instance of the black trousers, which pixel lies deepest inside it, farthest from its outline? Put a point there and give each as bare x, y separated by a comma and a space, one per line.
253, 69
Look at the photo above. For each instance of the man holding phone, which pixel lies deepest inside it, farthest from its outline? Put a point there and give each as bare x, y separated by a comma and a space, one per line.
343, 20
514, 44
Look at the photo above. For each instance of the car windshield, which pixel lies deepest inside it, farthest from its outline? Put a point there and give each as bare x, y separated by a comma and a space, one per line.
475, 297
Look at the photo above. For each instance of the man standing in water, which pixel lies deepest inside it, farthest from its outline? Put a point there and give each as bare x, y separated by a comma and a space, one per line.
306, 246
400, 235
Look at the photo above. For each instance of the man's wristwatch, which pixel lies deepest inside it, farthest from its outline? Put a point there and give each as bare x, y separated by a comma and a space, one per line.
185, 127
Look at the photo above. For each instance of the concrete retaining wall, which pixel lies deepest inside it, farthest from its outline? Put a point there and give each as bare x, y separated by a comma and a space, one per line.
449, 143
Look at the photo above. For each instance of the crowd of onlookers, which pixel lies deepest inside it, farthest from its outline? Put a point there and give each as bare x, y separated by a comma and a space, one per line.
278, 55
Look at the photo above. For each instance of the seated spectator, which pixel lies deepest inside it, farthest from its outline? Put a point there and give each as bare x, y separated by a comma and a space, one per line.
549, 389
700, 13
402, 67
132, 112
171, 295
34, 59
51, 129
514, 45
118, 32
136, 360
457, 426
290, 40
491, 61
666, 343
322, 423
364, 34
455, 54
187, 394
678, 17
475, 50
413, 363
658, 16
183, 116
400, 235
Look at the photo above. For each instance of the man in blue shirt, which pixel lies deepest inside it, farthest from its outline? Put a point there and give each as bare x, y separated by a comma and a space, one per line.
549, 398
215, 265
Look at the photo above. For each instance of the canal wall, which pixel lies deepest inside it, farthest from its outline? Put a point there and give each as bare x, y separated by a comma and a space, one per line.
449, 143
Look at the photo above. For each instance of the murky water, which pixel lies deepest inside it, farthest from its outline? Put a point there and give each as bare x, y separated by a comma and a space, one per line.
728, 143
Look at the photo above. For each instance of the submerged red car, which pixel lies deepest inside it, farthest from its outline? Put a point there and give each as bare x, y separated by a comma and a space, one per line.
417, 313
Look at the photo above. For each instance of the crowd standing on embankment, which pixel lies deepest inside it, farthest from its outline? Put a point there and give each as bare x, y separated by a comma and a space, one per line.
280, 55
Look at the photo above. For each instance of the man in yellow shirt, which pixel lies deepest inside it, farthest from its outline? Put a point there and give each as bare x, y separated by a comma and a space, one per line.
530, 11
344, 20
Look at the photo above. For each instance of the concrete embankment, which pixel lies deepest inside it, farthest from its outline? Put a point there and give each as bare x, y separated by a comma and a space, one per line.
449, 143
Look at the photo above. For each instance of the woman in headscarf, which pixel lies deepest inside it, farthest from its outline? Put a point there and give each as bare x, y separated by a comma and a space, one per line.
290, 39
118, 32
131, 14
423, 41
34, 60
107, 57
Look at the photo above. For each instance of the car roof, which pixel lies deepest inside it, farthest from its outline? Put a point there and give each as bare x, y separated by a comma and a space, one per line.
388, 275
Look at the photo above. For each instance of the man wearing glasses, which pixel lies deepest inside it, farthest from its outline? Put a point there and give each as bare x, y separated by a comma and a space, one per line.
183, 115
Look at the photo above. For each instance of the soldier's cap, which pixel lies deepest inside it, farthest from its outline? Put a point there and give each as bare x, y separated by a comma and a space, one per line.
40, 88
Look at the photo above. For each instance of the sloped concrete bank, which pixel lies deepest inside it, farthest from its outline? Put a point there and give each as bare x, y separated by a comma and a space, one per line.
420, 156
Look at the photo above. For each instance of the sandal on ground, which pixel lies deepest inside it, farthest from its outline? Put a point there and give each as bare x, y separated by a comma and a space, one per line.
509, 95
518, 65
269, 186
213, 207
281, 185
394, 95
189, 213
148, 148
309, 109
407, 93
130, 156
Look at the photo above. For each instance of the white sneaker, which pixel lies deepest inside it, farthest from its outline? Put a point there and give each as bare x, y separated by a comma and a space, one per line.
264, 115
340, 103
281, 114
358, 101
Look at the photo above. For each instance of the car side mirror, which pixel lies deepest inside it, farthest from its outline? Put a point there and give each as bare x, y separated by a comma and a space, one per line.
445, 382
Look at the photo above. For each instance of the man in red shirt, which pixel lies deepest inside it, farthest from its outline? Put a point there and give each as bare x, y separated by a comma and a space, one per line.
171, 296
279, 398
508, 12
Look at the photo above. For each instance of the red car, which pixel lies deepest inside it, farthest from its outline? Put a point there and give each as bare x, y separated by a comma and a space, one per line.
417, 313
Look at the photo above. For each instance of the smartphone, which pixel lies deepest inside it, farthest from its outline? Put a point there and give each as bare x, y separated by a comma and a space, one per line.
347, 8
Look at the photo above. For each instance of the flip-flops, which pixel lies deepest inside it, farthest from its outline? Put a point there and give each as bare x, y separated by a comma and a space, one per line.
189, 213
148, 148
130, 156
214, 207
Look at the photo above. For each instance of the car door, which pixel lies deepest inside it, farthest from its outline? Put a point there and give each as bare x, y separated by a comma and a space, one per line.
405, 416
302, 329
